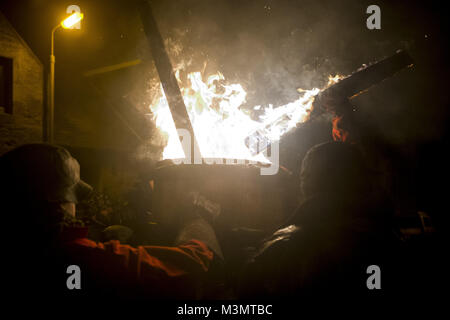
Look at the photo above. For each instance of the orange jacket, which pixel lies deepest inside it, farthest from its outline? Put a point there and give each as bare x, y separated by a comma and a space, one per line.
161, 270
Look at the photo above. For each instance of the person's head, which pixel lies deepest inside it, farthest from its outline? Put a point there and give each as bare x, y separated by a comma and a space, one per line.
40, 184
333, 167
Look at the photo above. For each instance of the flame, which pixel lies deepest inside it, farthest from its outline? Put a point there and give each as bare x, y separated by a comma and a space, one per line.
220, 125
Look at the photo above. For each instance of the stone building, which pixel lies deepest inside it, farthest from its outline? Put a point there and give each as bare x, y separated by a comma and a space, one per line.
89, 135
93, 120
21, 90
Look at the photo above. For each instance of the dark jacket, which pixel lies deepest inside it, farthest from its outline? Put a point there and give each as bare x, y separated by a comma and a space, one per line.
325, 247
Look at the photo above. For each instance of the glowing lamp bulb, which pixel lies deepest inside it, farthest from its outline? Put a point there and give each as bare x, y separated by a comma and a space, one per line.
72, 20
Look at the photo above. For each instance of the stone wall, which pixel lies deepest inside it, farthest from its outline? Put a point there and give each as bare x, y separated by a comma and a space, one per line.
24, 125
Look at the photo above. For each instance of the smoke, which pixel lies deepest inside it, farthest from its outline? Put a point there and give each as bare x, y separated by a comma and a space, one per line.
272, 48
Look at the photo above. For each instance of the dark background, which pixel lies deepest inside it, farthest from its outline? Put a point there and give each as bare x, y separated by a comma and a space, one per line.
271, 48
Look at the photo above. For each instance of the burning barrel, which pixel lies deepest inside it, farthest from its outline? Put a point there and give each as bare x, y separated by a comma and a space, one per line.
231, 196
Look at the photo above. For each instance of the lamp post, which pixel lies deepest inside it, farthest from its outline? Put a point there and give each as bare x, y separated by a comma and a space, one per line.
66, 24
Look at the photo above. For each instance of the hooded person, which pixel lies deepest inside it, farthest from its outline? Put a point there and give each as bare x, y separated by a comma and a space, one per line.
46, 243
40, 188
339, 230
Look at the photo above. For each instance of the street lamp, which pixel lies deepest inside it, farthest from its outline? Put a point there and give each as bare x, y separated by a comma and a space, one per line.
66, 24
